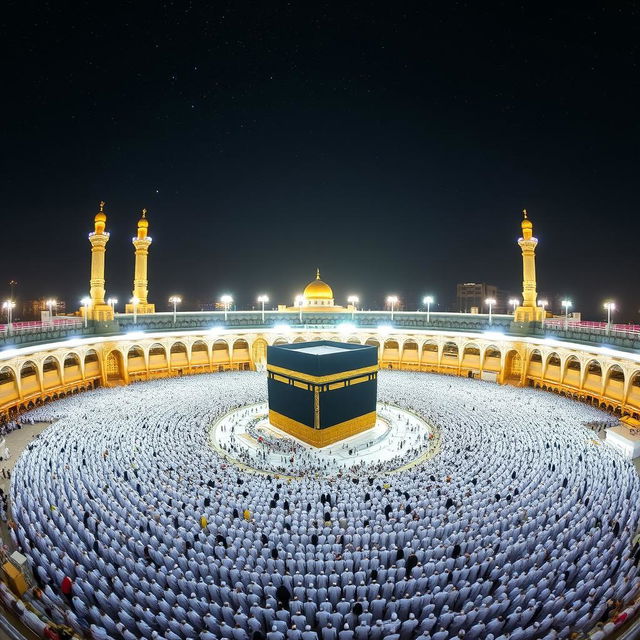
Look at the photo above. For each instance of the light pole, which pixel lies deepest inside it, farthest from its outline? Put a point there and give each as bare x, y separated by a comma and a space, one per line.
175, 301
50, 304
353, 301
262, 299
86, 301
490, 302
428, 300
514, 303
543, 304
299, 302
566, 304
8, 306
392, 300
135, 301
112, 302
226, 300
610, 307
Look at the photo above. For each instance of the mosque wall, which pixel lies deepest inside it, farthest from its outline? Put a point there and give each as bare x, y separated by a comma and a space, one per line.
600, 376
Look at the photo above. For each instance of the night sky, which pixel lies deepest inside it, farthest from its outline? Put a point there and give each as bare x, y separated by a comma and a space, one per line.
391, 144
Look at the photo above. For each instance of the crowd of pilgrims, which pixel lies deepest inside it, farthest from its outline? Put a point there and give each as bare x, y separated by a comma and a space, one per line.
403, 440
523, 526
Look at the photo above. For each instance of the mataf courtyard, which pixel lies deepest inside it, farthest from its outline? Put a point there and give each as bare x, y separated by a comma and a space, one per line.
520, 520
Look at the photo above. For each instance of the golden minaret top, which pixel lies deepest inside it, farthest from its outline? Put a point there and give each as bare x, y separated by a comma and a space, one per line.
143, 225
527, 226
101, 218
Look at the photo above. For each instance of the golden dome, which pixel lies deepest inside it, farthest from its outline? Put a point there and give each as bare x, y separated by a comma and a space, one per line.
143, 222
100, 219
317, 290
526, 223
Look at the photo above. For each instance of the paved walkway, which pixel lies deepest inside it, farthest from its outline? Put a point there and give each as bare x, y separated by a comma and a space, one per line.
17, 441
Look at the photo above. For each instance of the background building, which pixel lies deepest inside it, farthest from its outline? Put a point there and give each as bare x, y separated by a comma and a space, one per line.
32, 309
473, 294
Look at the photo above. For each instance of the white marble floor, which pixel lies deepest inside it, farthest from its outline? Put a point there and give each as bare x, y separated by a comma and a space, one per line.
247, 437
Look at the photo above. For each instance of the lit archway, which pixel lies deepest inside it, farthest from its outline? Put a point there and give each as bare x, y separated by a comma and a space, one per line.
8, 385
135, 359
410, 353
179, 355
51, 373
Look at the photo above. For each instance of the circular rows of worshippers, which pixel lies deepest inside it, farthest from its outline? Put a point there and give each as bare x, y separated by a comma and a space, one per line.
522, 526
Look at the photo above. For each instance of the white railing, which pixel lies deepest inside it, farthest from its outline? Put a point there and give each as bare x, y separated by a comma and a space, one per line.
592, 327
38, 325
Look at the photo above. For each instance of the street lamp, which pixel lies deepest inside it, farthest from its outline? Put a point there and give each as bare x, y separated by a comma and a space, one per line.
353, 301
85, 302
514, 303
226, 300
135, 301
262, 299
428, 300
298, 303
50, 304
8, 306
610, 307
392, 300
112, 302
566, 304
490, 302
175, 301
543, 304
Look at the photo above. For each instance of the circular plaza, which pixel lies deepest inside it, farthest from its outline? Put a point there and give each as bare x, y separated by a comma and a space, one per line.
521, 519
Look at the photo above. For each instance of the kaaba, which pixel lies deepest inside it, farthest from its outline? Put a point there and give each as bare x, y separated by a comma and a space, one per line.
323, 391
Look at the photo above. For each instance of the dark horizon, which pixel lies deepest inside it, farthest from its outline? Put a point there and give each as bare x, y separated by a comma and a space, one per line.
393, 149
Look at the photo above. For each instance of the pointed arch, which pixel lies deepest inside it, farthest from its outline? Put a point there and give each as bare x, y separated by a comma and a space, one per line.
593, 377
614, 383
51, 374
430, 353
199, 354
91, 364
72, 368
157, 357
633, 394
136, 360
179, 355
410, 353
553, 367
492, 359
9, 389
241, 354
572, 372
114, 366
450, 353
470, 360
29, 378
259, 350
391, 351
513, 366
220, 356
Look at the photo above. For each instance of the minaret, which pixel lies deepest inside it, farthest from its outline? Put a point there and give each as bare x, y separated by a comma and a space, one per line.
529, 311
99, 309
140, 283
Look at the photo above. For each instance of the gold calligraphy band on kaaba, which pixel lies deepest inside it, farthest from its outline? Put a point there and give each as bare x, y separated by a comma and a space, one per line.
297, 375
